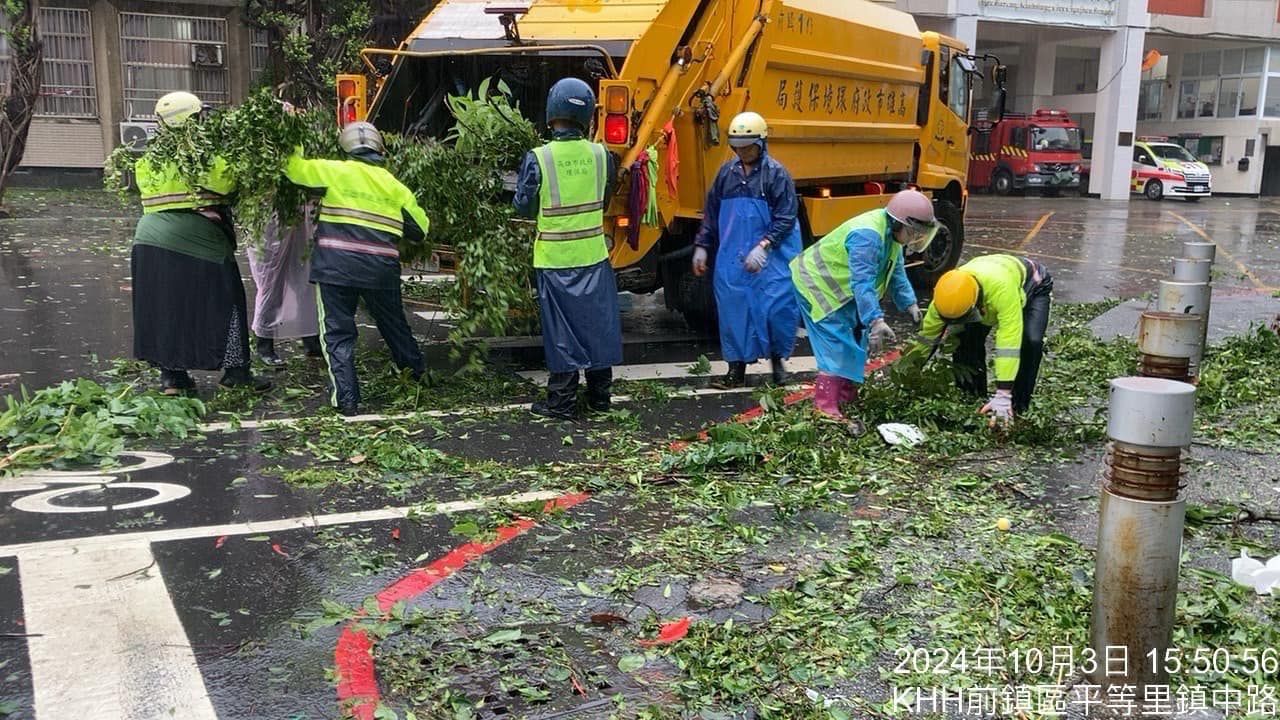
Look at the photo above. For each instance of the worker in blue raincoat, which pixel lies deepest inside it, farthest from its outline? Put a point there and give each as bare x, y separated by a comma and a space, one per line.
750, 224
839, 283
564, 185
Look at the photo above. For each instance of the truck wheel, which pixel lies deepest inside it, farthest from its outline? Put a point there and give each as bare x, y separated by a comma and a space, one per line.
696, 300
943, 253
1002, 183
1154, 190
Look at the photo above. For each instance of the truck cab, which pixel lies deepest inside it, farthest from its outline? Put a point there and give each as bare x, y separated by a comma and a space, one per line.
1040, 151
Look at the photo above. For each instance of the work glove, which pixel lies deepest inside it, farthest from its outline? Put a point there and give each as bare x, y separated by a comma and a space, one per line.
881, 335
699, 261
756, 259
999, 408
916, 313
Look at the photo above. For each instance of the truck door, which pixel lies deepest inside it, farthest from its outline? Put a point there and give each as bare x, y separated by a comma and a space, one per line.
951, 126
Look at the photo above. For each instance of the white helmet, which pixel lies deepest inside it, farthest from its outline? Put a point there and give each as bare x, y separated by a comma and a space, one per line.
360, 137
747, 128
176, 108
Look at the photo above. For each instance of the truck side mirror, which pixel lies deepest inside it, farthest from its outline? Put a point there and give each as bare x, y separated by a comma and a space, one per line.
997, 106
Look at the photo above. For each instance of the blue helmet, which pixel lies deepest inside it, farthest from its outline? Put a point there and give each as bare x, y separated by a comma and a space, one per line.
571, 99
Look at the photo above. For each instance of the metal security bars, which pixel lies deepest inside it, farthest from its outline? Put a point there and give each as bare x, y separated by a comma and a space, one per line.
68, 88
164, 53
259, 55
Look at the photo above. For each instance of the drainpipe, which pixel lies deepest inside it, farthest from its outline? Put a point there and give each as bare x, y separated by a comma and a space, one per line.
1140, 530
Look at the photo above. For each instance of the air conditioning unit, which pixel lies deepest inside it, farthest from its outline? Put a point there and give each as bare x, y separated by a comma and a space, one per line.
136, 135
206, 55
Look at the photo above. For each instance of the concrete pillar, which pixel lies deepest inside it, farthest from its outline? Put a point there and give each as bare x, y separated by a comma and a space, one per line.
1046, 58
1116, 118
239, 37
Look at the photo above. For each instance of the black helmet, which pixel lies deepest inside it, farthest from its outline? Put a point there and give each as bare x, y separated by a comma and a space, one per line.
571, 99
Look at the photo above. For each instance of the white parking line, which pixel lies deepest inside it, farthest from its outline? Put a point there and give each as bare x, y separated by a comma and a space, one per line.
107, 642
667, 371
473, 410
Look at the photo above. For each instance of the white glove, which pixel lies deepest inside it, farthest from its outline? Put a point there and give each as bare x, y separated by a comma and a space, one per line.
700, 261
916, 313
756, 259
881, 335
999, 407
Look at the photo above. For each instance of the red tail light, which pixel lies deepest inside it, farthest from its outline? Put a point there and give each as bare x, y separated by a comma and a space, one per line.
617, 129
348, 112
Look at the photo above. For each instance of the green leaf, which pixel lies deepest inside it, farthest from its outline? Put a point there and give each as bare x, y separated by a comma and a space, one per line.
504, 636
586, 589
631, 663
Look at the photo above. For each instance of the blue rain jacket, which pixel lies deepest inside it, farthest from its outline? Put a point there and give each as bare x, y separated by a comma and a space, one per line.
758, 311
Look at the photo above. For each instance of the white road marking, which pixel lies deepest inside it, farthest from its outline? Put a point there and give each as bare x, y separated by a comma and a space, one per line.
110, 645
473, 410
428, 277
666, 371
74, 545
434, 315
107, 643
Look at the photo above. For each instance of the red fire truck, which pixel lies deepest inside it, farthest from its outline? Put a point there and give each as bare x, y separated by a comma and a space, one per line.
1040, 151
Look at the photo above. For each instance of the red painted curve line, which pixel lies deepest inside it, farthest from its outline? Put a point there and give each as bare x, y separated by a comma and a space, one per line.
357, 678
798, 396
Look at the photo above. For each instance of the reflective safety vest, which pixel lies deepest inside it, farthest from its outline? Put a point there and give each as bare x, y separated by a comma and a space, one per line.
821, 273
363, 207
571, 204
163, 188
1004, 283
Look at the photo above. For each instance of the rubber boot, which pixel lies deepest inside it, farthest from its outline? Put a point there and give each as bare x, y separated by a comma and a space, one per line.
826, 395
735, 378
562, 397
311, 344
777, 371
599, 385
240, 377
176, 382
848, 392
267, 353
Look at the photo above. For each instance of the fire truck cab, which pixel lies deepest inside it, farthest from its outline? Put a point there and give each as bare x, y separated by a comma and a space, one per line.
1040, 151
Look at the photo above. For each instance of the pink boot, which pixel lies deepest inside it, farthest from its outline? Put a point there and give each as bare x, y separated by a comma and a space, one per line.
848, 392
826, 395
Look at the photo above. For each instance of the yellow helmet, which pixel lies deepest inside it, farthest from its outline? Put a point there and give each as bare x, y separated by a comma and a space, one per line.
955, 294
176, 108
746, 128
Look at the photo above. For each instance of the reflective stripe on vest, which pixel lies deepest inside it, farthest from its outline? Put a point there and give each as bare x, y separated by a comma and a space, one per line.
352, 216
571, 204
821, 273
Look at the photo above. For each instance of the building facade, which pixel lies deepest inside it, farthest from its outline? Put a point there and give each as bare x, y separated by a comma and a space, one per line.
106, 62
1202, 73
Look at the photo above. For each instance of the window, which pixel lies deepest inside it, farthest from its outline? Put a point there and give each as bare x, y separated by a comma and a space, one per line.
1197, 98
944, 75
163, 53
1250, 146
68, 87
1055, 138
1140, 155
959, 90
1150, 99
1254, 59
1207, 150
1018, 138
981, 142
259, 55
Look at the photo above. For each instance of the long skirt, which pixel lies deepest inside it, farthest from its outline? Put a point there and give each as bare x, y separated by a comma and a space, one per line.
188, 313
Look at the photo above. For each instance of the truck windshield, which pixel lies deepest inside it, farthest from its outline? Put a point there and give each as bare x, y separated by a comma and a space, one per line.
1173, 152
1055, 138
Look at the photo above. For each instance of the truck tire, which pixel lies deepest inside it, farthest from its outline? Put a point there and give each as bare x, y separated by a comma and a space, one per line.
696, 300
943, 253
1002, 183
1154, 190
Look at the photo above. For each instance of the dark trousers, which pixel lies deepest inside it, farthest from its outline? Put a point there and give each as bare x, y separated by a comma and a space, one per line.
970, 358
338, 326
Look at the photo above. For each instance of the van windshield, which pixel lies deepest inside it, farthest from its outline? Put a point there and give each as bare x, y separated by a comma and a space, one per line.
1056, 138
1173, 152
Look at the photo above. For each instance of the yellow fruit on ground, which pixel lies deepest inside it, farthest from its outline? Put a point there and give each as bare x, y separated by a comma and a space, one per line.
1003, 524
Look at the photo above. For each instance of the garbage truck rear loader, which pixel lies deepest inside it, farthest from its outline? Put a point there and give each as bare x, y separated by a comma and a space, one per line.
860, 104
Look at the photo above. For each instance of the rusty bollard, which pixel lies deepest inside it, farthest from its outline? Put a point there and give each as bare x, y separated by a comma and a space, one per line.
1140, 529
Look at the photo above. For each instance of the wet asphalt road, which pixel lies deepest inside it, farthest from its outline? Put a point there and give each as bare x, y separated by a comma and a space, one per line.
232, 577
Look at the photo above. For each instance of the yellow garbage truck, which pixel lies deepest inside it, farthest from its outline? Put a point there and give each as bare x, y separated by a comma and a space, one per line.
860, 103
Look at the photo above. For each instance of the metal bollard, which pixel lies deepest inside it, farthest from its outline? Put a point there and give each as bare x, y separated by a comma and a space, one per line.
1200, 250
1186, 298
1167, 342
1140, 530
1192, 270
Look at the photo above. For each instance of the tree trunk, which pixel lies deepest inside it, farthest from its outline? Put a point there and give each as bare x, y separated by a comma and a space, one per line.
19, 102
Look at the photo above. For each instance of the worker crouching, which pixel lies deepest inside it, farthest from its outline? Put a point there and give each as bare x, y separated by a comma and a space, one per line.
563, 184
840, 281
